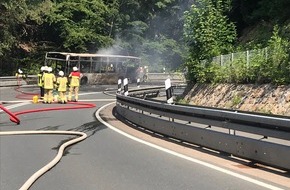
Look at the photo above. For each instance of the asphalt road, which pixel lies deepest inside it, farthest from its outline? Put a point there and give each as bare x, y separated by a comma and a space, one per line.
105, 160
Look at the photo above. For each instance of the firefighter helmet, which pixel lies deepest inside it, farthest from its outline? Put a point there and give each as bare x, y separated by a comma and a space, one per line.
49, 69
75, 69
19, 71
61, 73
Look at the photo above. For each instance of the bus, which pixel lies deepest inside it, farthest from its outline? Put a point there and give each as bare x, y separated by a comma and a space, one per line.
96, 68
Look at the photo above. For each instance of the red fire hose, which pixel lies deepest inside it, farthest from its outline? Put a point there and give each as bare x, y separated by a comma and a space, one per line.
12, 116
15, 119
27, 95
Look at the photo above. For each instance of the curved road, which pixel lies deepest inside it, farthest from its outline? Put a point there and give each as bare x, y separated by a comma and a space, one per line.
106, 160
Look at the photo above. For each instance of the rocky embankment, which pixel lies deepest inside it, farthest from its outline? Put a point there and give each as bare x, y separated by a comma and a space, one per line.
266, 98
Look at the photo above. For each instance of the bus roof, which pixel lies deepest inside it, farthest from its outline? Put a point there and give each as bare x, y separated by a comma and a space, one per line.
54, 55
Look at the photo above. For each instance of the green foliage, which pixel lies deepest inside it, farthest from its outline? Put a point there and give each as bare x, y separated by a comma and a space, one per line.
277, 10
12, 14
278, 61
208, 33
163, 3
20, 23
207, 29
161, 53
158, 31
30, 28
268, 65
236, 100
154, 31
81, 24
181, 100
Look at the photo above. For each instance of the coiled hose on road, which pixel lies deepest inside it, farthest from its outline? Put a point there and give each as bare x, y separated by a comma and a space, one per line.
81, 136
57, 158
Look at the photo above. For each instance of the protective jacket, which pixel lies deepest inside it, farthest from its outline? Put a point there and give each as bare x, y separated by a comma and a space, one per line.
75, 78
48, 80
39, 79
61, 83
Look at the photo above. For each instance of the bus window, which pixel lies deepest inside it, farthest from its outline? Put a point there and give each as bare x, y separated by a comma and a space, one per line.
103, 67
85, 67
120, 68
96, 67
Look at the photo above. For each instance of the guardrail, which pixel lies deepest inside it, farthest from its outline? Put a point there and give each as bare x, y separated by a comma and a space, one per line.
174, 77
257, 137
14, 81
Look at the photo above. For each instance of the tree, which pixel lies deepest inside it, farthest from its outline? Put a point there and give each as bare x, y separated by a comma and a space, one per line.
13, 13
153, 29
81, 25
207, 30
19, 32
208, 33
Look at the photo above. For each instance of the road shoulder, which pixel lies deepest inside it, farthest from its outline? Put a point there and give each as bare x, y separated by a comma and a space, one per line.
244, 167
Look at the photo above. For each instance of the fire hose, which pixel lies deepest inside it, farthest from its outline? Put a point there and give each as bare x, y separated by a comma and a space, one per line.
15, 119
82, 136
23, 95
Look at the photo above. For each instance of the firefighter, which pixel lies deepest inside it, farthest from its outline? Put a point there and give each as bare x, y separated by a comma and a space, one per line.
19, 73
75, 77
48, 80
62, 83
20, 76
39, 81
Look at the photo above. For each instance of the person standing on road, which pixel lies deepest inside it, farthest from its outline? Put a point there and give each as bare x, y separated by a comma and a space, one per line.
75, 77
20, 76
39, 81
19, 73
62, 83
48, 80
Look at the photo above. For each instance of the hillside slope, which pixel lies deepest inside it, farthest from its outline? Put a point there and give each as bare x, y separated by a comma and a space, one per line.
266, 98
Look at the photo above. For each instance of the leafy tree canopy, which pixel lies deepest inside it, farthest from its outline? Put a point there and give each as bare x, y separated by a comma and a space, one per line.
81, 25
207, 29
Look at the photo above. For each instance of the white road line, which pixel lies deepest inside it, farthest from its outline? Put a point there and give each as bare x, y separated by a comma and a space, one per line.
97, 100
16, 105
217, 168
14, 101
89, 93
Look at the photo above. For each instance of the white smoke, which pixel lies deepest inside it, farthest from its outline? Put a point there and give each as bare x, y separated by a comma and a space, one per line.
115, 49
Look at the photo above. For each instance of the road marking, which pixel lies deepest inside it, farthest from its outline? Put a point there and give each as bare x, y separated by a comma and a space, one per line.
15, 101
16, 105
89, 93
217, 168
97, 100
